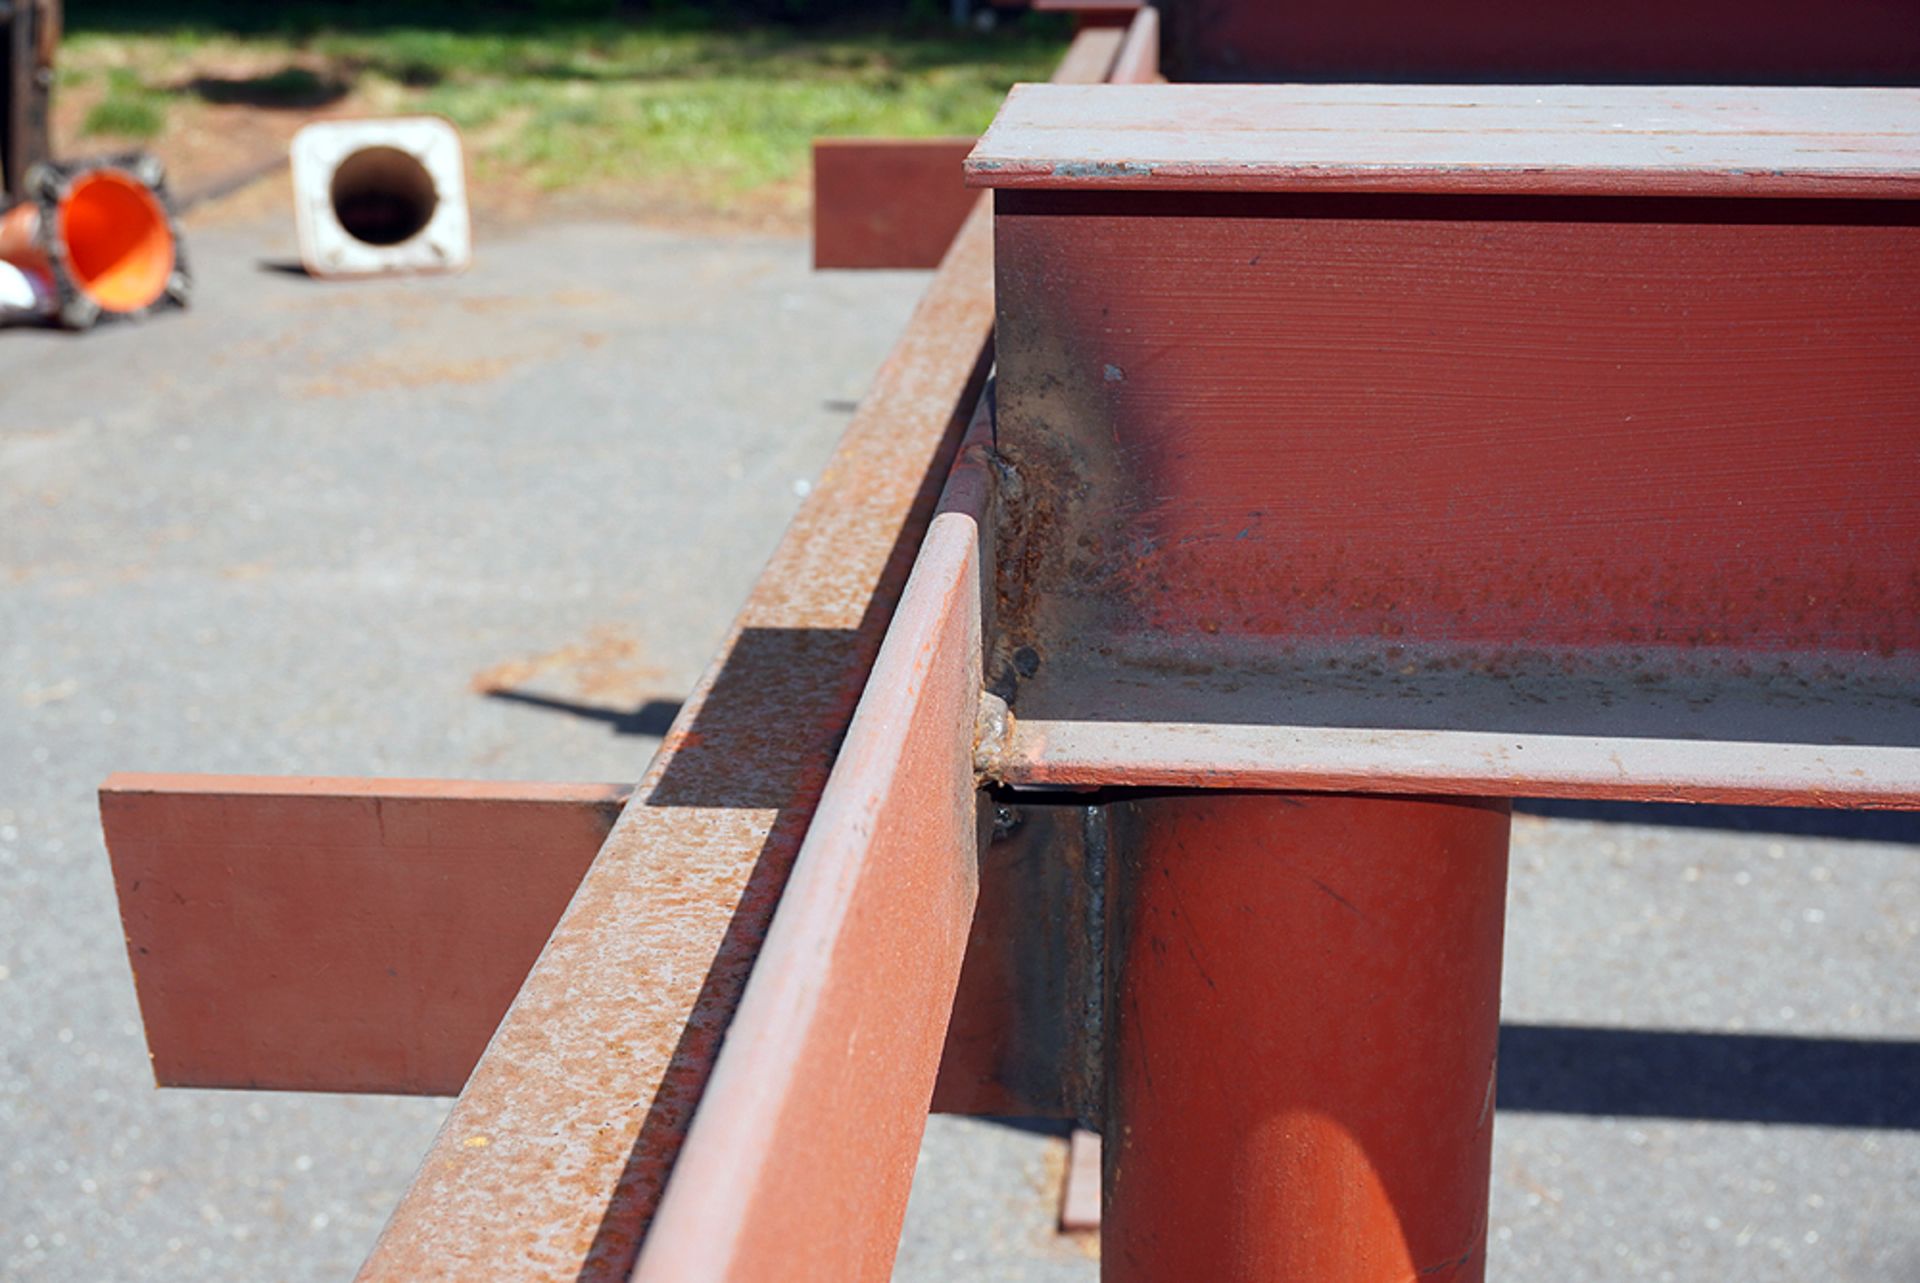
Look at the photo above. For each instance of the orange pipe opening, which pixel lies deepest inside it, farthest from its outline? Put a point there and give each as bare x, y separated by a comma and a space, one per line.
120, 251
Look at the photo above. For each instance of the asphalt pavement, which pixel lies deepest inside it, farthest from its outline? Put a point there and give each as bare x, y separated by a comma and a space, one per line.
303, 529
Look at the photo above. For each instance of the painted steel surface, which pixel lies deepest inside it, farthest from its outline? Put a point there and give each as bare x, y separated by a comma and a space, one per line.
556, 1155
1585, 496
799, 1162
1044, 752
553, 1161
338, 935
1688, 42
1560, 140
1138, 62
888, 203
1306, 1017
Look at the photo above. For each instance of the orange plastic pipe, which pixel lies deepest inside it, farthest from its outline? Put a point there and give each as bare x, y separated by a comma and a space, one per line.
1305, 1020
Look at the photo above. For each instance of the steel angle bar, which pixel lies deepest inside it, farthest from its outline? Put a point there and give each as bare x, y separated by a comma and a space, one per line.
800, 1160
338, 934
1091, 754
554, 1160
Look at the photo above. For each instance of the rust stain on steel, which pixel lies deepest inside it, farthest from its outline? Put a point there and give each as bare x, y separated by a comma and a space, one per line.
799, 1161
1633, 140
582, 1101
887, 202
338, 934
591, 1082
1306, 1016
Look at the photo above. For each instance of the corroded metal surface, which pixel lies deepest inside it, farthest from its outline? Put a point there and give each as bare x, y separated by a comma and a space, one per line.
800, 1159
554, 1158
553, 1161
338, 935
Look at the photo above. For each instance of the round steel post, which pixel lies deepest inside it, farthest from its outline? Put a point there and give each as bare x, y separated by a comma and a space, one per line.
1306, 1009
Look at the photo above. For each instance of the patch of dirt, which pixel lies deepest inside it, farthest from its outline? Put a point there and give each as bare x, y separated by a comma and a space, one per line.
206, 145
388, 376
220, 155
610, 664
505, 203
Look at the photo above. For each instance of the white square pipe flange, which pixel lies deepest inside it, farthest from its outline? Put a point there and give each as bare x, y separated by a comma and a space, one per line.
372, 197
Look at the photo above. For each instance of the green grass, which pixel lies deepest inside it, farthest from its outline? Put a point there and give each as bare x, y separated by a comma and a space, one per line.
675, 98
129, 110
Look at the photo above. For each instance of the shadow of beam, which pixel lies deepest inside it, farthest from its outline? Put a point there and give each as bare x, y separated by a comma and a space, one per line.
1745, 1078
1789, 821
651, 719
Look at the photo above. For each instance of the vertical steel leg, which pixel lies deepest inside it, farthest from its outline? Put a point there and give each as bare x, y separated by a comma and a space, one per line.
1306, 1010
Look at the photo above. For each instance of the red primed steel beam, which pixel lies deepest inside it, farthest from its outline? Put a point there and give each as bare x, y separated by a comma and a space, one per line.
1626, 523
556, 1155
898, 202
1306, 1017
338, 935
1138, 62
1558, 140
799, 1162
887, 203
1687, 42
553, 1161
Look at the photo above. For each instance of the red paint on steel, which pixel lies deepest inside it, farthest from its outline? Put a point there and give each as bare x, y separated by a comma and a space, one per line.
1305, 1025
553, 1161
1774, 770
1561, 140
799, 1162
1739, 42
887, 202
1138, 62
1080, 1190
1644, 425
1641, 426
338, 935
